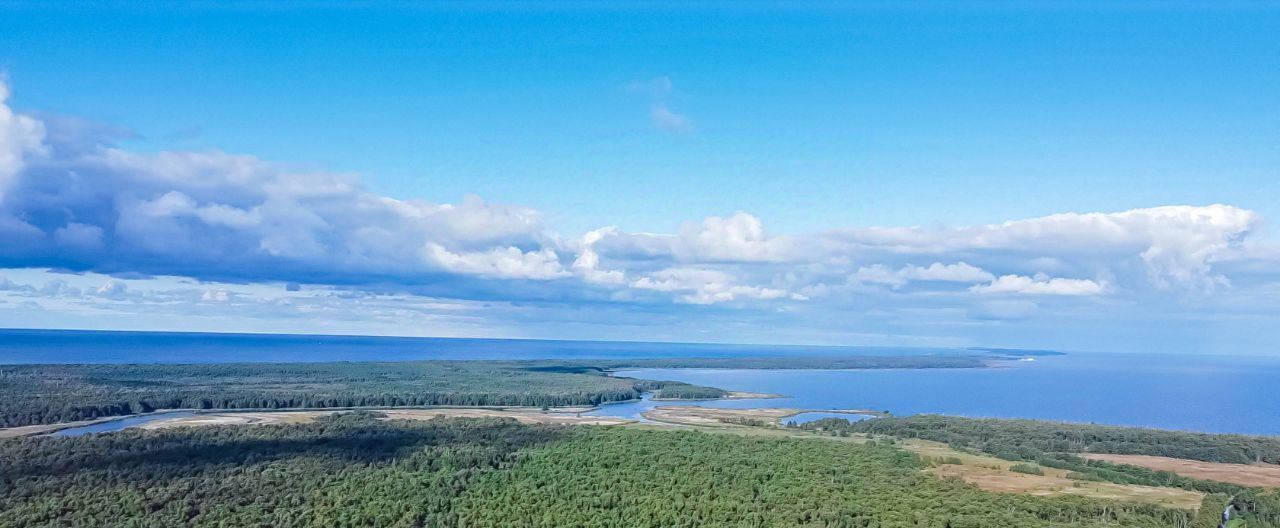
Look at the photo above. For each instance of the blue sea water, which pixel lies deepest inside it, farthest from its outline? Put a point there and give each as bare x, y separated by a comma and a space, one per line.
1222, 394
79, 346
807, 417
1187, 392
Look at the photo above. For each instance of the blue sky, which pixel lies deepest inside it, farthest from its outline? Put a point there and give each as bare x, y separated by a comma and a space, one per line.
741, 152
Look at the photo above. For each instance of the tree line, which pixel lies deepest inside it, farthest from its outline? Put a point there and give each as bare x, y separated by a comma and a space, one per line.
42, 394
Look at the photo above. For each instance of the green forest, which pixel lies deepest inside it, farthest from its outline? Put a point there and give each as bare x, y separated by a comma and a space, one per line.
40, 394
43, 394
355, 470
1057, 444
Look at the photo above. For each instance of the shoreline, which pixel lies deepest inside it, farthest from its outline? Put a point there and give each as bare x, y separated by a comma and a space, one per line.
732, 395
498, 411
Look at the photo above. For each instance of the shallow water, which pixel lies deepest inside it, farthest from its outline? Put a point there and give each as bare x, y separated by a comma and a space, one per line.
120, 424
1194, 393
811, 416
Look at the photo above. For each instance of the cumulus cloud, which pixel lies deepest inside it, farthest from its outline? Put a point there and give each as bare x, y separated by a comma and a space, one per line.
211, 214
1177, 245
706, 286
1040, 285
79, 203
502, 263
740, 237
20, 136
938, 272
587, 265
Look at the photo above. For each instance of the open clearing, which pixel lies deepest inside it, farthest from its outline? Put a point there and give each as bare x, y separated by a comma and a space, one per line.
713, 417
525, 415
1257, 475
32, 430
992, 474
988, 473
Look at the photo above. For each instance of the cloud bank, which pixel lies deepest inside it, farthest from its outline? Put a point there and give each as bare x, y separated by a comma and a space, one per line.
70, 200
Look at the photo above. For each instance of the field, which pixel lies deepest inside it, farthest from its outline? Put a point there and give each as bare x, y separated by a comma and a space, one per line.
993, 474
715, 417
521, 414
1254, 475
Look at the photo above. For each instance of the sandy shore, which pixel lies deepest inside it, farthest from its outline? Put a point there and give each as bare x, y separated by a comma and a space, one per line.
715, 417
525, 415
732, 395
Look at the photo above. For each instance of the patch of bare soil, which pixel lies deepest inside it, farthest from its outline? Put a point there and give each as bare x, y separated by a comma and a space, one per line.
1255, 475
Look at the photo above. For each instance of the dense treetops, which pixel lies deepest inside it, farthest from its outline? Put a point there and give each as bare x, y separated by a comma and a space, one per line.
356, 470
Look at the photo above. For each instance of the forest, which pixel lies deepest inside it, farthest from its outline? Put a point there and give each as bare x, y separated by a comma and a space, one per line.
356, 470
40, 394
43, 394
1056, 444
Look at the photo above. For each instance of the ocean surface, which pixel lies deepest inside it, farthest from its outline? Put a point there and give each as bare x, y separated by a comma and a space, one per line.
77, 346
1187, 392
1222, 394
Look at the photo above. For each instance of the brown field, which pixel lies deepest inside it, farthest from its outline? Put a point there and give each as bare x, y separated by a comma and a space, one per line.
710, 417
1257, 475
992, 474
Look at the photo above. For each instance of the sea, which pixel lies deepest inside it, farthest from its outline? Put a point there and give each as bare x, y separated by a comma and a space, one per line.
1208, 393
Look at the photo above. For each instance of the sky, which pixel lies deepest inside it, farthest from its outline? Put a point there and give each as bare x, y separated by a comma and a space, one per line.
1074, 175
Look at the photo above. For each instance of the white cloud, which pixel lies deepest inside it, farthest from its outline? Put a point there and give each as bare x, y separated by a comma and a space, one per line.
113, 289
587, 265
1040, 285
218, 295
740, 237
659, 90
20, 136
937, 272
707, 286
666, 120
500, 263
220, 217
1177, 245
